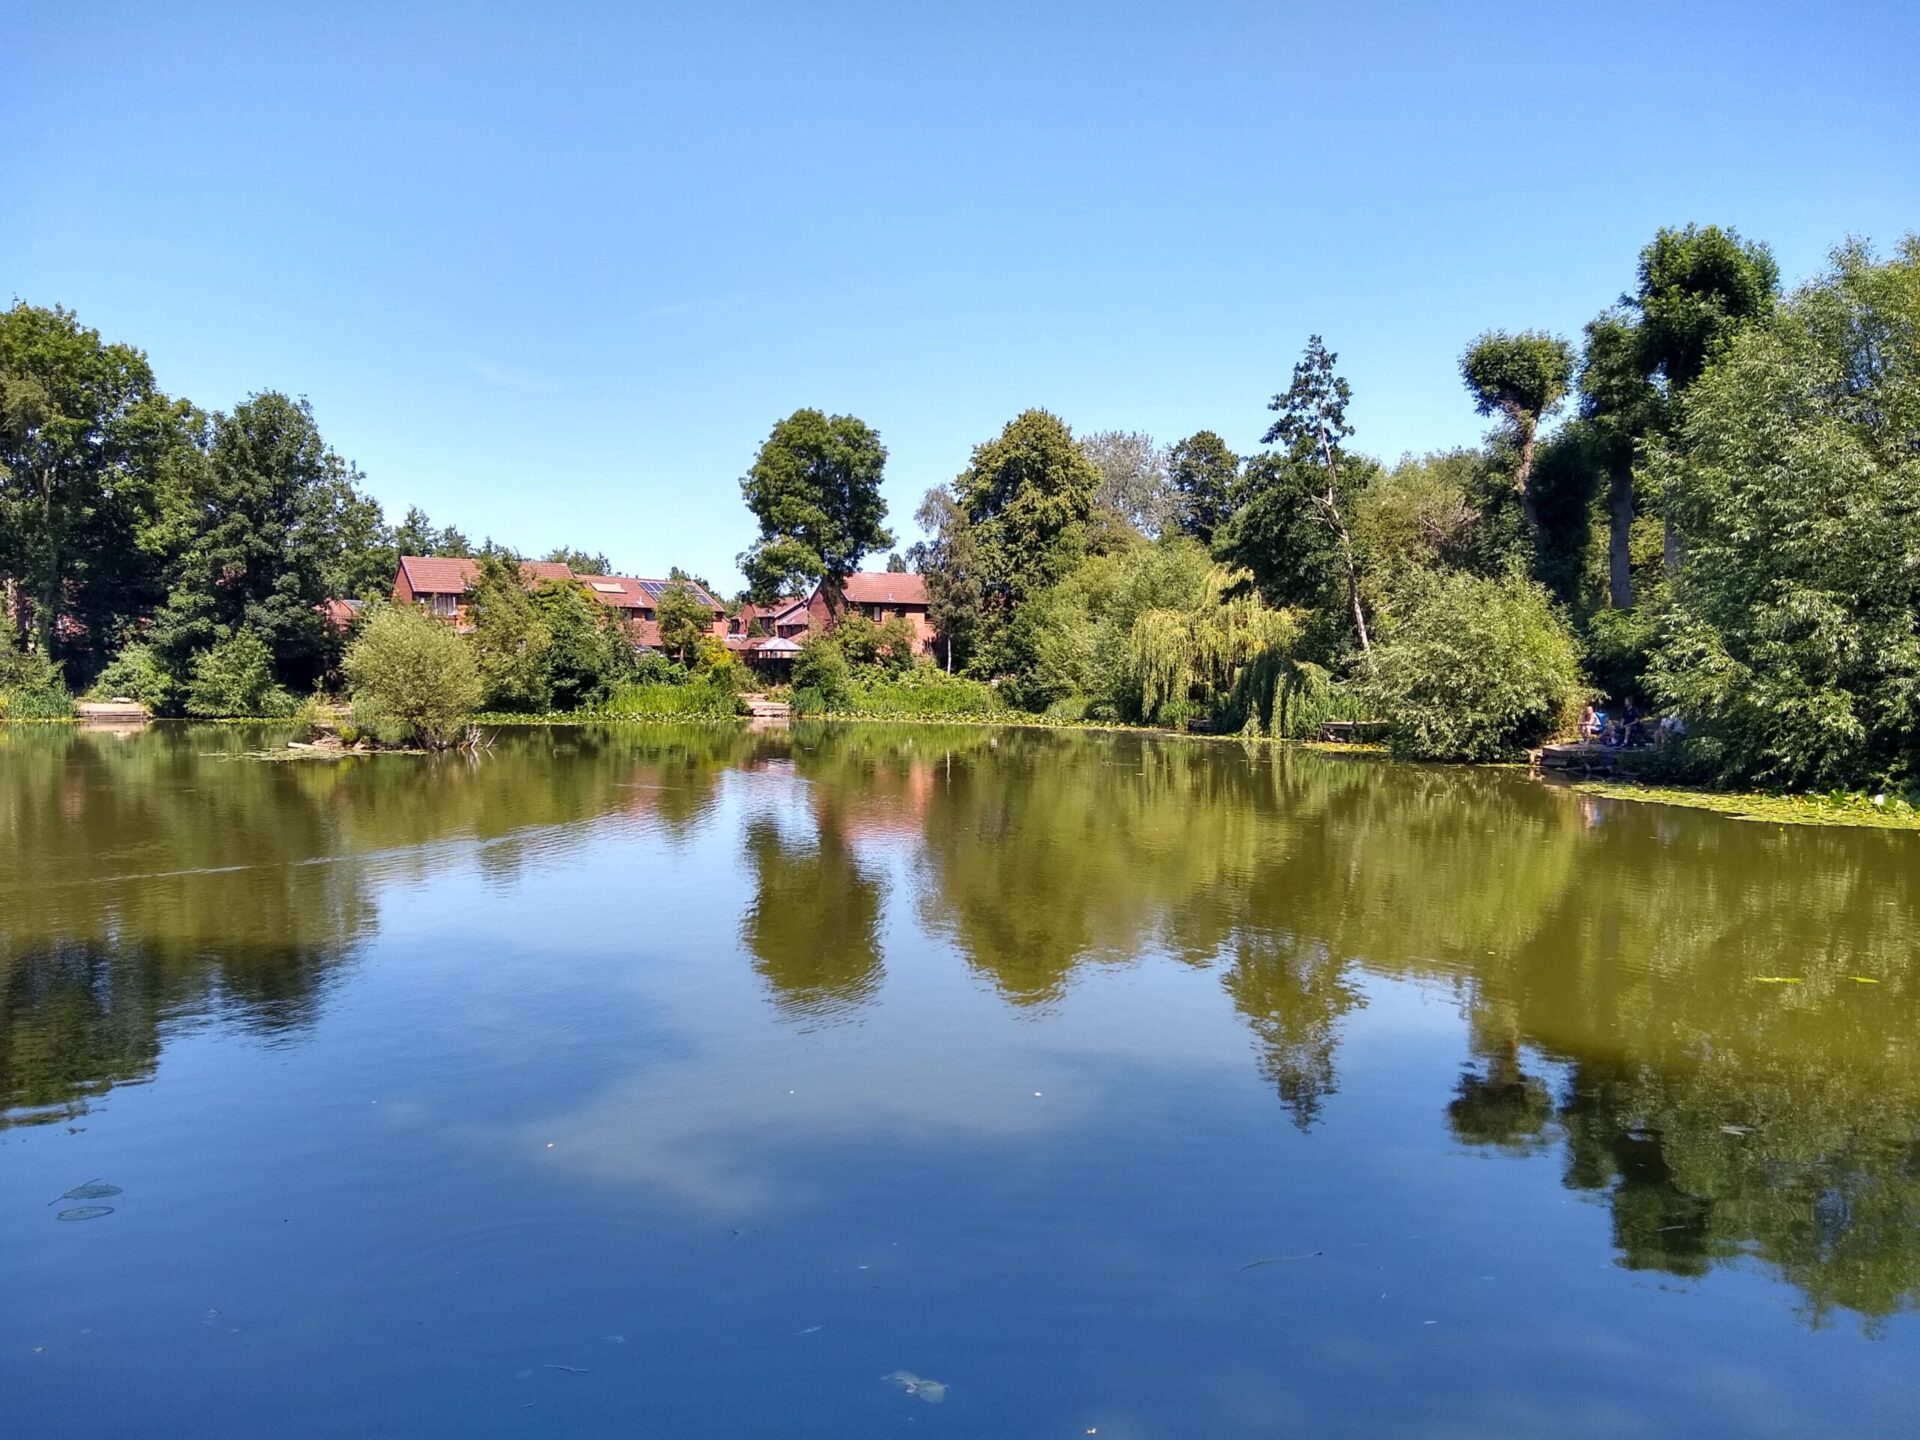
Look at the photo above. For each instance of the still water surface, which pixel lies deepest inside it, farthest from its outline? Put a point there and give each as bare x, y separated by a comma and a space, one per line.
863, 1081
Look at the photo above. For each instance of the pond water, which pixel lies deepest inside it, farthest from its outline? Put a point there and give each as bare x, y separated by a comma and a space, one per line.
866, 1081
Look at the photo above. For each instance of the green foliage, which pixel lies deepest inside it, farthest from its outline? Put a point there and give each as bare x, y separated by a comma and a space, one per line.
684, 619
1473, 668
1027, 498
267, 541
94, 461
581, 562
588, 650
1228, 653
1204, 475
30, 683
705, 697
952, 565
137, 673
889, 645
411, 678
1697, 288
235, 678
815, 489
821, 667
1134, 492
510, 640
1791, 649
921, 691
1521, 378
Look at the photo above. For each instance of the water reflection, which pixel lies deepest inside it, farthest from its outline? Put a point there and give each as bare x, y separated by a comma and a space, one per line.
1617, 967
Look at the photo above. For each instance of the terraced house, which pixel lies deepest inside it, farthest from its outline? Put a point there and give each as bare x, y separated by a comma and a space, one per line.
444, 585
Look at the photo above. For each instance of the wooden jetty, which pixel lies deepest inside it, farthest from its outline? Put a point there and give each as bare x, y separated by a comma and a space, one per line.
761, 708
111, 712
1587, 757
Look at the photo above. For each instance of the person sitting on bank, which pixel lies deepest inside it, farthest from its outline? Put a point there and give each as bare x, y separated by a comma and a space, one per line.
1592, 722
1630, 722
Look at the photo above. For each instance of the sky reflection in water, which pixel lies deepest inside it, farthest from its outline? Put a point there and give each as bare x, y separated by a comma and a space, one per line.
695, 1082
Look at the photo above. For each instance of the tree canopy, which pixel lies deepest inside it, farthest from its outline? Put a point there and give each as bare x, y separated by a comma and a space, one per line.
815, 490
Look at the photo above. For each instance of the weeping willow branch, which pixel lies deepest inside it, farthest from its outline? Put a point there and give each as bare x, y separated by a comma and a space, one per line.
1229, 645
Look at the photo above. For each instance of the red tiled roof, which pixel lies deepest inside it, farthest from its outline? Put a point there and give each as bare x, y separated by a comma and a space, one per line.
446, 575
882, 588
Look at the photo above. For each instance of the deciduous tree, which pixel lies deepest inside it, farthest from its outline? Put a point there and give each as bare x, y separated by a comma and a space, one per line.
1522, 378
815, 489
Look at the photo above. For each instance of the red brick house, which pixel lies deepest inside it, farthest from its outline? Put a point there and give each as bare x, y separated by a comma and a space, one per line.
443, 585
880, 596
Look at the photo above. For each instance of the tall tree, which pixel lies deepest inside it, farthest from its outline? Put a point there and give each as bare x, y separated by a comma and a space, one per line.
1311, 483
1619, 403
1133, 479
93, 460
416, 535
1203, 473
1521, 378
510, 639
1029, 494
266, 516
815, 489
1698, 287
950, 562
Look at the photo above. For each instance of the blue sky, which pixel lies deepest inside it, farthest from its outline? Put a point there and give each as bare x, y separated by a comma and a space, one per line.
553, 271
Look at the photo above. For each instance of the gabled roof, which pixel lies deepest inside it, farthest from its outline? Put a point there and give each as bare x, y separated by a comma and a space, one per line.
883, 588
445, 575
448, 575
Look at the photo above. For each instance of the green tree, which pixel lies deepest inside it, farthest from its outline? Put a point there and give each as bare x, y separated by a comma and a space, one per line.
416, 535
1791, 649
267, 538
1204, 475
1027, 496
815, 489
1134, 488
236, 678
950, 562
93, 463
1522, 378
412, 678
581, 562
1473, 668
1293, 527
588, 651
896, 564
684, 618
1620, 404
510, 639
821, 674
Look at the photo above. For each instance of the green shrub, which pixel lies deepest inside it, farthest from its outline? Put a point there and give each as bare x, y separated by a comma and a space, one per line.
1473, 669
30, 683
412, 678
235, 678
923, 690
137, 674
822, 666
808, 701
705, 697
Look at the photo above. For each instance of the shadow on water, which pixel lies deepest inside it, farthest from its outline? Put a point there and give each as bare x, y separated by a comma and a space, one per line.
1713, 1026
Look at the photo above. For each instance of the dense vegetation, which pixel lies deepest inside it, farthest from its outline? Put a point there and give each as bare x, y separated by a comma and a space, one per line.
1709, 502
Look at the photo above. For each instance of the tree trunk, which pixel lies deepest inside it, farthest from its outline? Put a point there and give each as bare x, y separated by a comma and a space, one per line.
1619, 534
1523, 482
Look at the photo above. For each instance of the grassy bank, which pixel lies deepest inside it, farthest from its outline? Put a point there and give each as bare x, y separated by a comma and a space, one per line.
1886, 812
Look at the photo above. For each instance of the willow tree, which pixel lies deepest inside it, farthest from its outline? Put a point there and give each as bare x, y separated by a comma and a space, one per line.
1230, 648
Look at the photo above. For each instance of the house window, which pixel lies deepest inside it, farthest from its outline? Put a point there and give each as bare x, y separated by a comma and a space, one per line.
445, 604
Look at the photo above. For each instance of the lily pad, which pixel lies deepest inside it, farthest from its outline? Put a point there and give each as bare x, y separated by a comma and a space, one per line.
92, 1190
85, 1212
931, 1391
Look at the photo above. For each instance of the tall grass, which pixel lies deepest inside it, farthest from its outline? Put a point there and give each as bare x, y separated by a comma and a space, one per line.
648, 700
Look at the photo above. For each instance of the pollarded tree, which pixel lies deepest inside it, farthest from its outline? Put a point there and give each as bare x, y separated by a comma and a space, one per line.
1521, 378
1204, 474
815, 489
412, 678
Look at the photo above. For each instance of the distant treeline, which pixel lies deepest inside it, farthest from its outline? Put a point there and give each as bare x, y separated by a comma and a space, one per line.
1710, 502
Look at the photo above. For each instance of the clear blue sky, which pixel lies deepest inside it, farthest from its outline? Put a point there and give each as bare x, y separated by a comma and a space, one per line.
552, 271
